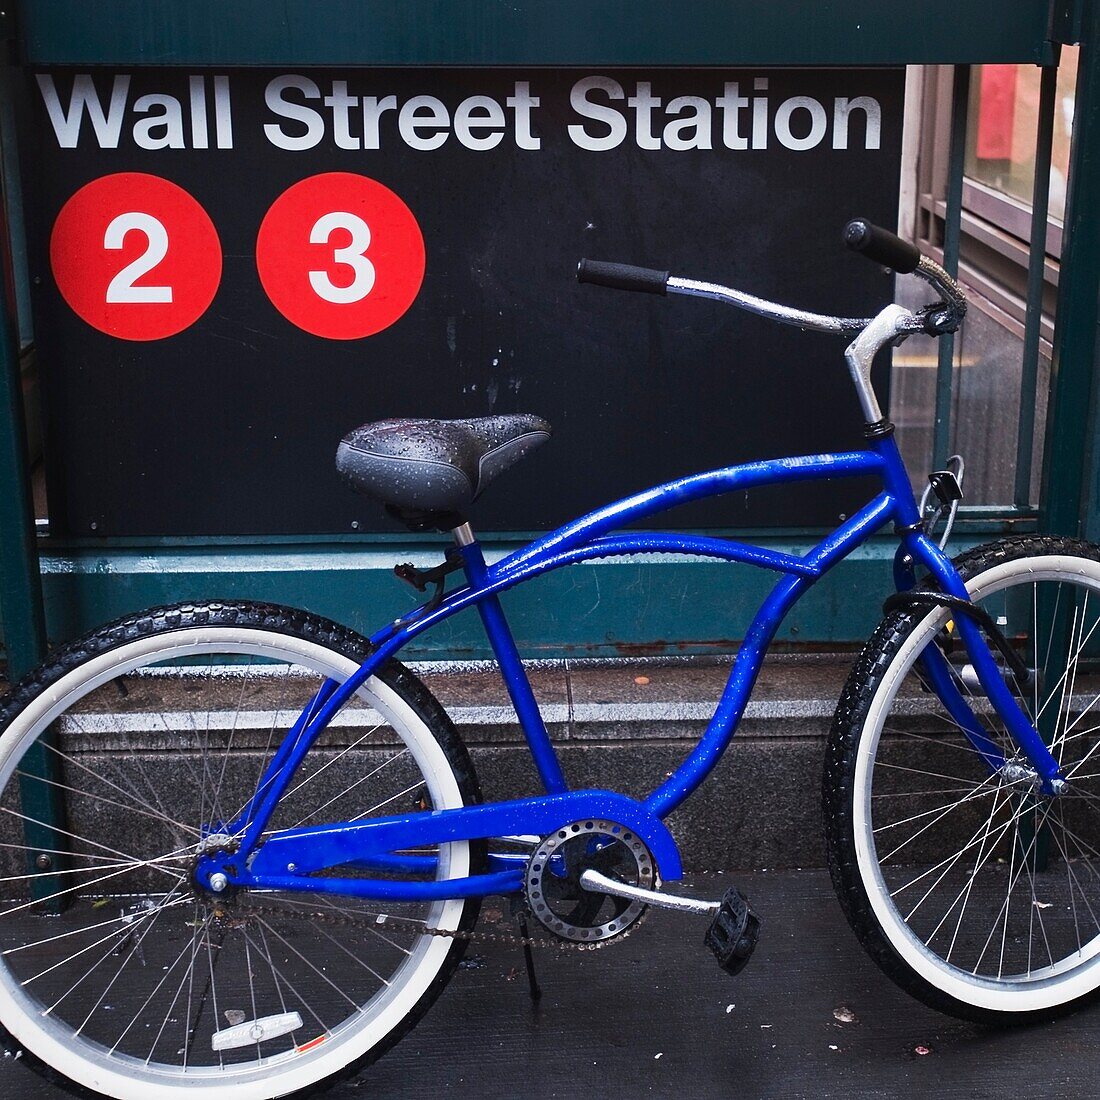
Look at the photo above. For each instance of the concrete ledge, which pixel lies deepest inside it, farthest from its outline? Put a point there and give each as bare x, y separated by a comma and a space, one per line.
624, 725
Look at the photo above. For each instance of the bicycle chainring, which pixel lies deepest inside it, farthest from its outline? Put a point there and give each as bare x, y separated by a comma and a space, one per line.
552, 886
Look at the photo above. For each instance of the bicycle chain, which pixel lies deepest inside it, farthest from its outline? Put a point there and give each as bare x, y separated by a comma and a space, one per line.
469, 935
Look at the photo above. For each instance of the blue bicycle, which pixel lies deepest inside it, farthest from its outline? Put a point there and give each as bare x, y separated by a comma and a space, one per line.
268, 833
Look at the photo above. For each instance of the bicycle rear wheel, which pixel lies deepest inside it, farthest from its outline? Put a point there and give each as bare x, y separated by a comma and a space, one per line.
140, 986
973, 890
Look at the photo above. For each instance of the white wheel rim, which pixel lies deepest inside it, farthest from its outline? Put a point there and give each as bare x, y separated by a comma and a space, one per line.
1044, 988
290, 1072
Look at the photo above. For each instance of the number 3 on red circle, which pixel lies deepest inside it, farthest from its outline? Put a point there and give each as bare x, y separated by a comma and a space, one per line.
340, 256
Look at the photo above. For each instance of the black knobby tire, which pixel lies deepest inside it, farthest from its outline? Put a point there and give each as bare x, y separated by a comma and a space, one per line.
293, 624
879, 666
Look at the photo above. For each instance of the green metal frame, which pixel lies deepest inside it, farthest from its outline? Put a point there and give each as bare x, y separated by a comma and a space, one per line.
1070, 500
615, 607
527, 32
620, 607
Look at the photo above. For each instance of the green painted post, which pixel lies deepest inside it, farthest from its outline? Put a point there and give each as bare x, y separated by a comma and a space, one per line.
1070, 451
21, 590
952, 232
20, 585
1072, 421
1036, 270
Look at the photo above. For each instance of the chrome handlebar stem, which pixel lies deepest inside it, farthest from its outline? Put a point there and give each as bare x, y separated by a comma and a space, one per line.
891, 326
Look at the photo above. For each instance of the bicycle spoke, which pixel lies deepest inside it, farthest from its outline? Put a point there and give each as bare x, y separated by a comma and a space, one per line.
1011, 884
944, 811
1057, 747
308, 911
154, 814
134, 948
265, 954
138, 920
193, 946
937, 741
969, 898
212, 988
82, 886
352, 955
352, 786
1071, 881
984, 830
316, 970
919, 771
145, 807
947, 860
328, 763
232, 735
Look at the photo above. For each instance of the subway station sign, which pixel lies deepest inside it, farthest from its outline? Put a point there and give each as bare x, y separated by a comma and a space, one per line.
233, 269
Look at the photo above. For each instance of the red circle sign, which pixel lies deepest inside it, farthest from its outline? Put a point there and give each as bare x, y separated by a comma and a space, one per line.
340, 256
135, 256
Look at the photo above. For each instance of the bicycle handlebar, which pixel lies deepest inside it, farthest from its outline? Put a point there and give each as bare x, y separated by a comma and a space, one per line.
874, 242
622, 276
882, 246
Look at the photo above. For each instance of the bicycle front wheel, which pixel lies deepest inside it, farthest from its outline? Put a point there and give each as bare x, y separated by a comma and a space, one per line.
117, 758
972, 889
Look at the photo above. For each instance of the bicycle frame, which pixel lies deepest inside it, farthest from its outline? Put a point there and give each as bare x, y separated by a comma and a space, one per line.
287, 860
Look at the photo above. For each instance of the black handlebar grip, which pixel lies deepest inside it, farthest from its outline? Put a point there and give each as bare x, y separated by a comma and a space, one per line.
882, 246
622, 276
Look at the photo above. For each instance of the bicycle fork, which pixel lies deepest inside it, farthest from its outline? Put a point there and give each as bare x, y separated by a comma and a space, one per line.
1038, 764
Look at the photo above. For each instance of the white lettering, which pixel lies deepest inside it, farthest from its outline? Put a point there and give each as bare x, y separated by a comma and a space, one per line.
818, 123
199, 137
760, 114
373, 109
410, 120
842, 109
121, 288
643, 102
66, 124
691, 131
223, 113
168, 121
297, 112
731, 104
522, 103
351, 255
608, 116
341, 102
483, 113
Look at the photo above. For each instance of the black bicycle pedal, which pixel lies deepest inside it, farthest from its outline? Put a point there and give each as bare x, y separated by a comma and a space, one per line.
733, 933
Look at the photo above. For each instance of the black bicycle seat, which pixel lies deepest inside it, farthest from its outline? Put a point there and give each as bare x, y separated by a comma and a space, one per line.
435, 466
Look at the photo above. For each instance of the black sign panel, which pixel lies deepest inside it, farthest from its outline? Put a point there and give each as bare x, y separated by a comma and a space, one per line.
234, 269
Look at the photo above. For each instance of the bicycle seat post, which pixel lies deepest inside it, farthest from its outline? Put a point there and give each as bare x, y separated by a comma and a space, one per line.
511, 665
464, 535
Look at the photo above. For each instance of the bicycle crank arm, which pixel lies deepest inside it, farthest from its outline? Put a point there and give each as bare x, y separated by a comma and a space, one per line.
597, 883
733, 931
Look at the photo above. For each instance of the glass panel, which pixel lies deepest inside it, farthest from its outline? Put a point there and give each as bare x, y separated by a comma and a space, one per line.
985, 402
1004, 107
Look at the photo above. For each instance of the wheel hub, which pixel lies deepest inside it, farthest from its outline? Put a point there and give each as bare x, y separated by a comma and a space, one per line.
211, 885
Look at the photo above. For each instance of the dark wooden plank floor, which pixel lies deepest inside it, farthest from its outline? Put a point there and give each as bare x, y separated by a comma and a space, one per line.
654, 1016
